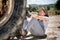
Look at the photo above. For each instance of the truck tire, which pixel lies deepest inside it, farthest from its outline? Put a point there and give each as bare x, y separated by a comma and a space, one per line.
12, 18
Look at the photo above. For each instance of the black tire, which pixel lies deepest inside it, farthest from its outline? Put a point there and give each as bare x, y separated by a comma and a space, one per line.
15, 21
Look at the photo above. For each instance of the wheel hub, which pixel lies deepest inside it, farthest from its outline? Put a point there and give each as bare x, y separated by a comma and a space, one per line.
6, 7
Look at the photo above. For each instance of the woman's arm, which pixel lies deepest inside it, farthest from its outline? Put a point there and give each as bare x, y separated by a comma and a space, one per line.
42, 18
39, 17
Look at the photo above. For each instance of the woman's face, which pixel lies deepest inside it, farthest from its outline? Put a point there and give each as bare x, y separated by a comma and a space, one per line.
41, 13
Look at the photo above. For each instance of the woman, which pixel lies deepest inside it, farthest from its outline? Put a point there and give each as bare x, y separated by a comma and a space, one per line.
32, 24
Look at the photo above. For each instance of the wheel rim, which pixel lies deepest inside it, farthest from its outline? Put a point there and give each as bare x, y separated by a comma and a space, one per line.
6, 8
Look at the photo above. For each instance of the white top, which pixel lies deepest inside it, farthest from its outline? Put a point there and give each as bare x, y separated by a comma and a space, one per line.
46, 23
29, 19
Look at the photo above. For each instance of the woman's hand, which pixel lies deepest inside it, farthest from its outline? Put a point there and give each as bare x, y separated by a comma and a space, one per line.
35, 16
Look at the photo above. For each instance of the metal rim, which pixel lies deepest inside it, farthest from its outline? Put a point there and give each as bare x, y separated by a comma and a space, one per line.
7, 12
